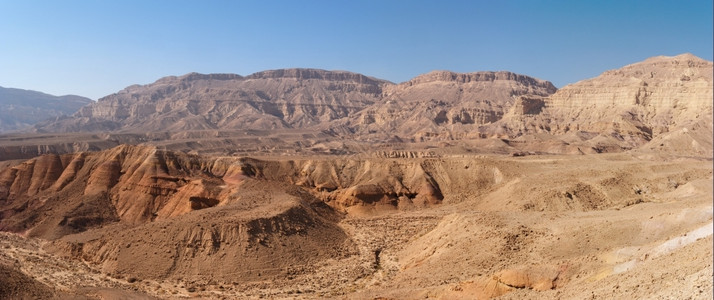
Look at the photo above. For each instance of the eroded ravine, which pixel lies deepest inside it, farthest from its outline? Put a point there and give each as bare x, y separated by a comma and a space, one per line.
343, 226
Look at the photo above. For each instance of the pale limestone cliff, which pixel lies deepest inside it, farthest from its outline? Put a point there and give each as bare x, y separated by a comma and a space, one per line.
443, 105
622, 109
619, 110
656, 94
291, 98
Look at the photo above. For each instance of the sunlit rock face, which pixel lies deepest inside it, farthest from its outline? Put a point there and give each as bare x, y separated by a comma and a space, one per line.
289, 98
443, 105
653, 96
661, 98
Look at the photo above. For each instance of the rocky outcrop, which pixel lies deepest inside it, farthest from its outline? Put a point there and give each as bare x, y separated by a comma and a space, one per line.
528, 105
291, 98
626, 107
444, 105
617, 111
135, 183
185, 213
539, 278
656, 94
53, 195
348, 183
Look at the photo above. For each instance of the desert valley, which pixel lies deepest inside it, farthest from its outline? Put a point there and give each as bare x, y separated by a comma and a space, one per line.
314, 184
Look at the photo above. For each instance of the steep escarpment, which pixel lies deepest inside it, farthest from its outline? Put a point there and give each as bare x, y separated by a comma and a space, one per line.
625, 108
267, 100
658, 92
440, 105
654, 102
444, 105
340, 79
103, 207
54, 195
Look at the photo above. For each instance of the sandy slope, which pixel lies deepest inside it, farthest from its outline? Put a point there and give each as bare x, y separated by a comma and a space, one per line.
561, 227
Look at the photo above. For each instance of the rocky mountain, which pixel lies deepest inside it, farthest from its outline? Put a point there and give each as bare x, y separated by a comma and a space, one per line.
20, 109
658, 93
290, 98
654, 103
300, 98
628, 107
444, 105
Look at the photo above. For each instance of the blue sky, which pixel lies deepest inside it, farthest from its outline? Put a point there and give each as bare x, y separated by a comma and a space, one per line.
95, 48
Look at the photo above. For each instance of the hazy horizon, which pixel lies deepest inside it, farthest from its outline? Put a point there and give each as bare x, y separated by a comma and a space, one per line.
94, 49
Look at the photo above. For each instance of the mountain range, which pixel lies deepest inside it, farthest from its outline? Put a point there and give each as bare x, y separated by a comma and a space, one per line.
20, 109
658, 104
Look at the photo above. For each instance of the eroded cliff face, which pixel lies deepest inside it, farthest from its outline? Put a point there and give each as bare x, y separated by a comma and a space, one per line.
659, 93
49, 196
53, 195
213, 218
663, 98
148, 213
266, 100
663, 85
625, 108
443, 105
440, 105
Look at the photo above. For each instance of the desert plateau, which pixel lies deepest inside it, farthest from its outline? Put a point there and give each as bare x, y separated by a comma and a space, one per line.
314, 184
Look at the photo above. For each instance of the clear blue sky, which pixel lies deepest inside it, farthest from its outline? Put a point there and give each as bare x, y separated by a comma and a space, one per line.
95, 48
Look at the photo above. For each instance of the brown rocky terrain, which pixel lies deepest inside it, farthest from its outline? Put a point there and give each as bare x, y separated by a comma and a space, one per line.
20, 109
266, 100
655, 102
283, 106
331, 120
450, 186
661, 103
443, 105
362, 227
